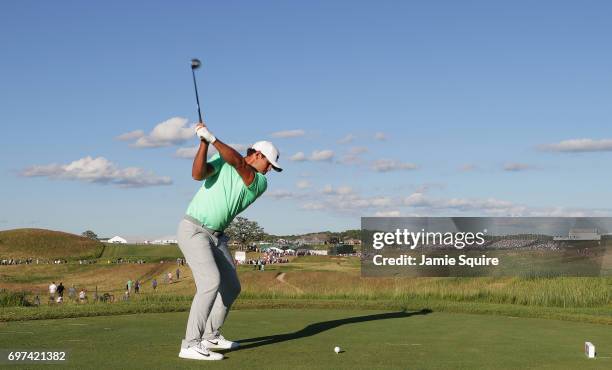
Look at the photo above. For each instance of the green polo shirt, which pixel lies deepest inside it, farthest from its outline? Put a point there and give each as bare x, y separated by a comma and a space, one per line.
224, 195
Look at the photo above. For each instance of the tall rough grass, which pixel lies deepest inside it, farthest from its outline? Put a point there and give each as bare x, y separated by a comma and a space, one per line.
546, 292
12, 299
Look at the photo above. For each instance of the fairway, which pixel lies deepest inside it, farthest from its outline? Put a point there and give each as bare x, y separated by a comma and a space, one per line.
285, 338
149, 252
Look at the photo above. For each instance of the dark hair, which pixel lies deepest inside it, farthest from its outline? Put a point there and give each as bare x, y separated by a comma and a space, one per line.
251, 151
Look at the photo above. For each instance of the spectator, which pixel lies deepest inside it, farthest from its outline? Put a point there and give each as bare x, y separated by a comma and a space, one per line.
169, 277
137, 286
154, 284
60, 299
60, 289
52, 290
178, 274
129, 285
72, 292
82, 296
37, 301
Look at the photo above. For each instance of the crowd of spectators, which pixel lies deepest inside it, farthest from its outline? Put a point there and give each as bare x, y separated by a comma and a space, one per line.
56, 291
120, 260
509, 243
56, 294
266, 259
31, 261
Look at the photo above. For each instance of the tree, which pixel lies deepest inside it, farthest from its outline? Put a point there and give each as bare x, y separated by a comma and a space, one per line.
244, 232
341, 249
90, 234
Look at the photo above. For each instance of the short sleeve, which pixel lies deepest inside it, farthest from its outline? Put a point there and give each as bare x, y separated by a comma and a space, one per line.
259, 184
216, 162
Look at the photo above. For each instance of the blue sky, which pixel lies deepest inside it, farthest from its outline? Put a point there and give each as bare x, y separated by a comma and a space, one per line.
378, 108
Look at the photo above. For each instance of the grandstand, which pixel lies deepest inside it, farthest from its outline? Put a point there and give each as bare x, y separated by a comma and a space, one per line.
580, 234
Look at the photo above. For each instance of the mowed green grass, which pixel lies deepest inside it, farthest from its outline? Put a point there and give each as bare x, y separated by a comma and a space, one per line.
150, 252
304, 339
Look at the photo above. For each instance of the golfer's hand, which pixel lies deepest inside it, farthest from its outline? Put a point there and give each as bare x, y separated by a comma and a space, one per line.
204, 134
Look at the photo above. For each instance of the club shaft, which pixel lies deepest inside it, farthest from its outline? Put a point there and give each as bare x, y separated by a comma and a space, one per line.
195, 86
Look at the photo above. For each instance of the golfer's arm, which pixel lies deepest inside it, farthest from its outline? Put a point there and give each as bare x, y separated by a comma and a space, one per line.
201, 169
234, 159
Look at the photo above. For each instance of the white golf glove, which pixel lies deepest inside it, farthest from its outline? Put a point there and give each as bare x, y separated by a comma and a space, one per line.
206, 135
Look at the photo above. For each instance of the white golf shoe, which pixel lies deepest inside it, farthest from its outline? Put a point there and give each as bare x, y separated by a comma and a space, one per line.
199, 352
219, 342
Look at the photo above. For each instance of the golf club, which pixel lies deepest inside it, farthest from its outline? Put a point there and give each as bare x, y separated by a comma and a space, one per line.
195, 64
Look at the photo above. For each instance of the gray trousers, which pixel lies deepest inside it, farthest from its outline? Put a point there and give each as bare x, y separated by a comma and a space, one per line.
215, 277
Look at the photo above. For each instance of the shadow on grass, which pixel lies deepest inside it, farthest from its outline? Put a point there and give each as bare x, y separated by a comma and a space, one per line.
319, 327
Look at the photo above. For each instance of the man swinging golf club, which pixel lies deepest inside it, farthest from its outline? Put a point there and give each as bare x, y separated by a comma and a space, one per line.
232, 183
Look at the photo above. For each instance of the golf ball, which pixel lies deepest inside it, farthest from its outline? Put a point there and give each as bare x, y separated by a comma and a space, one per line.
337, 349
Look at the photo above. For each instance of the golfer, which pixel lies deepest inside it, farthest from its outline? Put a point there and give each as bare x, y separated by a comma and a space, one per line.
232, 183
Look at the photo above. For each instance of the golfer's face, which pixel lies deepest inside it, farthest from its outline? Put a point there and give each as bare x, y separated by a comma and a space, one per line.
262, 165
266, 165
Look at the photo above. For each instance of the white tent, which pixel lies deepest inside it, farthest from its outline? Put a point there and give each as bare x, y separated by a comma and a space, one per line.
318, 252
117, 240
271, 249
240, 256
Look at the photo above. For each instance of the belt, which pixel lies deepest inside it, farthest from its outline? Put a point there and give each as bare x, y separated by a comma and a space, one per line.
194, 221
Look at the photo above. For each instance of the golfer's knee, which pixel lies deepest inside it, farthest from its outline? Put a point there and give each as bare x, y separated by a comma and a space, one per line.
209, 283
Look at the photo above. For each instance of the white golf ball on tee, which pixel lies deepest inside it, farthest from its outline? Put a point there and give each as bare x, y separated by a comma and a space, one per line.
337, 349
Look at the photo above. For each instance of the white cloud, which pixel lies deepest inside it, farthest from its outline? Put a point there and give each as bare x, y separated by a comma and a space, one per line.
344, 190
303, 184
317, 155
579, 145
386, 165
351, 159
188, 153
381, 202
347, 139
171, 132
387, 214
489, 206
341, 190
517, 167
313, 206
322, 155
353, 156
468, 168
416, 200
280, 194
97, 170
343, 200
240, 148
380, 136
132, 135
288, 133
358, 150
298, 157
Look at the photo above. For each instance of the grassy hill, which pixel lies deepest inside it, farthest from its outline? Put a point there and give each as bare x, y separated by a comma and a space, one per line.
147, 252
40, 243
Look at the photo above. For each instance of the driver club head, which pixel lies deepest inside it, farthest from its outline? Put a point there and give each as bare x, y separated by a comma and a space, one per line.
195, 63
